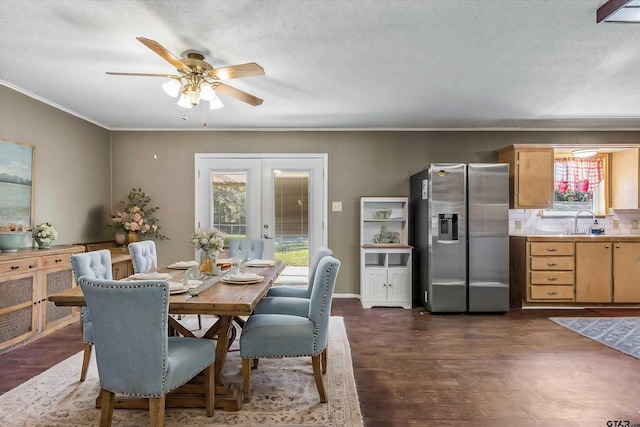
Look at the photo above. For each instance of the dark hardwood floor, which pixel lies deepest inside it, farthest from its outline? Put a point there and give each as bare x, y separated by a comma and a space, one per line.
417, 369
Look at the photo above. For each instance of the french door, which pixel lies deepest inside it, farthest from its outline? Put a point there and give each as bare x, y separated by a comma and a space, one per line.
280, 199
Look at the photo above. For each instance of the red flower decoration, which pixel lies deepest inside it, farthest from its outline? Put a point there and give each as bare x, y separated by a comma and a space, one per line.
562, 186
582, 186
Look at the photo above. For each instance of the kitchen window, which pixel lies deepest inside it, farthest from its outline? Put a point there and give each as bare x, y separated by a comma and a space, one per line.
579, 184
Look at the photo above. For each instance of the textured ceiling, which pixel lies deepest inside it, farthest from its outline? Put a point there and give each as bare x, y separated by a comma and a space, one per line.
333, 64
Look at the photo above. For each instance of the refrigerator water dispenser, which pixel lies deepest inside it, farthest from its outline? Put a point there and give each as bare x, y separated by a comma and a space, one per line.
448, 229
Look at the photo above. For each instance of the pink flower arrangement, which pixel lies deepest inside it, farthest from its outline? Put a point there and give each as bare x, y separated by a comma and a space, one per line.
135, 216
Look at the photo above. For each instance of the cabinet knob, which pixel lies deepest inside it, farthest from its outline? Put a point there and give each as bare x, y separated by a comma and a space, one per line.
552, 279
606, 246
552, 264
551, 249
15, 267
58, 260
552, 293
617, 246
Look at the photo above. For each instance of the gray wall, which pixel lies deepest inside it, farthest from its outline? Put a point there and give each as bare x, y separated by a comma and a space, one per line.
360, 164
72, 166
76, 192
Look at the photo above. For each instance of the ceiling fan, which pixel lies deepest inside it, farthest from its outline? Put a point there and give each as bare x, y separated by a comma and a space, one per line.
201, 80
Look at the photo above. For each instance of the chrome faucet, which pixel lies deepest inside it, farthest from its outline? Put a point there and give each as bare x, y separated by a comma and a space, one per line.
575, 228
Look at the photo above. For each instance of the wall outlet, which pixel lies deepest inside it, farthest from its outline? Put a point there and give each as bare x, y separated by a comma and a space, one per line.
634, 223
518, 225
336, 206
616, 223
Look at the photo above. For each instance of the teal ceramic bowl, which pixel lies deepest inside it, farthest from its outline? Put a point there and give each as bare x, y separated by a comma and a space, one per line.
10, 241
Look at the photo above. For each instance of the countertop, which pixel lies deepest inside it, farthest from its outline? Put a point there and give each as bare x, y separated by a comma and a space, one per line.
579, 237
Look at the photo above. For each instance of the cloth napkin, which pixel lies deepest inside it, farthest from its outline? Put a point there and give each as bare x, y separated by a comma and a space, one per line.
193, 283
175, 286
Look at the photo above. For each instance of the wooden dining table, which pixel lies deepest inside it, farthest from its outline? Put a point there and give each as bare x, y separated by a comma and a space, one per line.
227, 302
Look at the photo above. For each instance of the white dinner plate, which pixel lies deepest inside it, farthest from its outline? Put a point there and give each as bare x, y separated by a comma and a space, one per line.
261, 263
183, 265
243, 281
149, 276
243, 277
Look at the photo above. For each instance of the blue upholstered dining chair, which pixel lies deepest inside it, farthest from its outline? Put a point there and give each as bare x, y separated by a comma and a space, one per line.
286, 335
143, 256
247, 245
96, 264
135, 356
299, 291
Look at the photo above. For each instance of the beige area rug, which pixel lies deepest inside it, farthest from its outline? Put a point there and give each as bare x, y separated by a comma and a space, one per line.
283, 393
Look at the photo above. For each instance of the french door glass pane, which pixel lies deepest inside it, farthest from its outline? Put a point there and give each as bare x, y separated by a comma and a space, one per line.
291, 209
230, 203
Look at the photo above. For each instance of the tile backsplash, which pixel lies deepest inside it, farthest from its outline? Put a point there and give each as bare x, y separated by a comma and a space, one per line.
529, 221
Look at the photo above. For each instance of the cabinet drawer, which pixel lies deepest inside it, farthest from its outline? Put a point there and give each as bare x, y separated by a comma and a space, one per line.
552, 277
50, 261
551, 248
552, 263
552, 292
19, 265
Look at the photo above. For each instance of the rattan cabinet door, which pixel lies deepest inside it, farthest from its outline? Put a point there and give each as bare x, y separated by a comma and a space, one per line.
55, 280
18, 307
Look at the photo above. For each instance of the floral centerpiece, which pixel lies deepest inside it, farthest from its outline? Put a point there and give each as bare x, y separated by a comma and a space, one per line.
210, 241
44, 234
136, 217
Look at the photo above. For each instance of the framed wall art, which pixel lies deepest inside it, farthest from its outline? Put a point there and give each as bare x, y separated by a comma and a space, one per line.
16, 183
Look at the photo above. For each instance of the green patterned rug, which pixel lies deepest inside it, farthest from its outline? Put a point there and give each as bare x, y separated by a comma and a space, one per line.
620, 333
283, 393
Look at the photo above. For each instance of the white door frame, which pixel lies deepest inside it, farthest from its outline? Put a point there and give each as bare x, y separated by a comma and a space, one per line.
201, 193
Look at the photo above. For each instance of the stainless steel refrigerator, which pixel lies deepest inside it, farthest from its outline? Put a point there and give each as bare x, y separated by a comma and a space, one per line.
460, 235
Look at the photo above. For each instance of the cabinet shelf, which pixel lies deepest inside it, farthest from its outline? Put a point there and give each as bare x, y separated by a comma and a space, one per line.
385, 268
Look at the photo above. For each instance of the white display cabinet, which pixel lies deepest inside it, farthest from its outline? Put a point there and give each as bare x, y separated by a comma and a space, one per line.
385, 256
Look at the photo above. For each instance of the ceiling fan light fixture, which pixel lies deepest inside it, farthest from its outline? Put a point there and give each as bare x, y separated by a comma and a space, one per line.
215, 103
172, 87
184, 101
193, 93
206, 92
584, 152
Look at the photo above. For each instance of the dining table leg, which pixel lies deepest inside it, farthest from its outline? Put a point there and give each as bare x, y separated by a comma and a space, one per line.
228, 396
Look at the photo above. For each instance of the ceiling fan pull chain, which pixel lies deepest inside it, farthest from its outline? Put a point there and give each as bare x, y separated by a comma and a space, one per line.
204, 116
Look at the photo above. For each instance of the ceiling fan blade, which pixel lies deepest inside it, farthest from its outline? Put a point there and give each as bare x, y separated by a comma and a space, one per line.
169, 76
236, 71
236, 93
164, 53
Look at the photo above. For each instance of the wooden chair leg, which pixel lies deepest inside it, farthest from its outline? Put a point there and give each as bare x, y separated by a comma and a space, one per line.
156, 411
85, 361
246, 379
210, 389
324, 361
108, 399
316, 362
